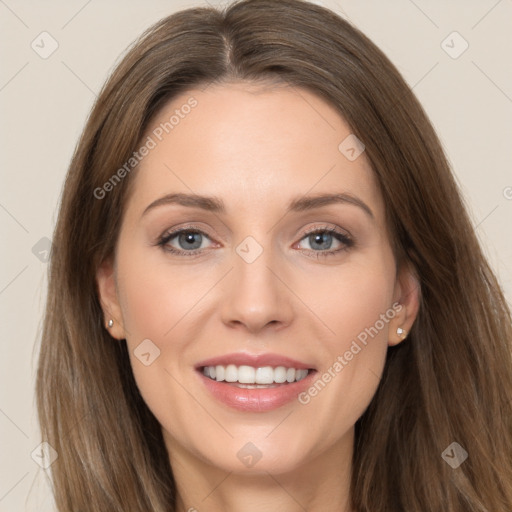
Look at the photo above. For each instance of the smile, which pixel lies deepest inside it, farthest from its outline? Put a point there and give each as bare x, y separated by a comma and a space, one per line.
250, 389
263, 376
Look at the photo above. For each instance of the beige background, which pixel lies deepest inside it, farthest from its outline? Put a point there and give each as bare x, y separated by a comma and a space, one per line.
44, 103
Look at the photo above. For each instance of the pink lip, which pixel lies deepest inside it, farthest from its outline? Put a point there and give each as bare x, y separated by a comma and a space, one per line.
259, 399
255, 360
256, 400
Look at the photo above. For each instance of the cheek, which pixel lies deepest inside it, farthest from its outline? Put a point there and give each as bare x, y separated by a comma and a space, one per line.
160, 303
155, 299
358, 295
154, 304
359, 313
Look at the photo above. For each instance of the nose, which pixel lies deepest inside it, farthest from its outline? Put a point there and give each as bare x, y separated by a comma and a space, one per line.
256, 295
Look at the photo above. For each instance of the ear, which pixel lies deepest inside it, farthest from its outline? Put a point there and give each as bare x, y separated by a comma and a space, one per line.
108, 296
407, 293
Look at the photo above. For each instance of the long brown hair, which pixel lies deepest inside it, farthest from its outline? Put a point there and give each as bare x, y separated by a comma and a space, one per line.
449, 382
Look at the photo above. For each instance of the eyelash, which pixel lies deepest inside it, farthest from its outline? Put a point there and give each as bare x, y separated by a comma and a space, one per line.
347, 241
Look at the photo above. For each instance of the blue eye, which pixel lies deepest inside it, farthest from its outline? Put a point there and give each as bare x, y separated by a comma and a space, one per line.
186, 238
190, 241
322, 238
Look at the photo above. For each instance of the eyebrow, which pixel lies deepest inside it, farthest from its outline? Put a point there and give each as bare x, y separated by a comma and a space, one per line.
299, 204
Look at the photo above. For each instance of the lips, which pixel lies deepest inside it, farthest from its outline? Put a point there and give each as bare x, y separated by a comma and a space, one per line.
255, 360
255, 397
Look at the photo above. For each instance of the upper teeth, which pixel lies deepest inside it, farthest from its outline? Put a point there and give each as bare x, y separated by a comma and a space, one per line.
251, 375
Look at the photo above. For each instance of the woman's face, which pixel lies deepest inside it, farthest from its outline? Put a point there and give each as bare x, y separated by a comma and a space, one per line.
247, 285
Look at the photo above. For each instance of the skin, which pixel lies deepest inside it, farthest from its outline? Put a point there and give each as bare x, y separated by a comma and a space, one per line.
256, 148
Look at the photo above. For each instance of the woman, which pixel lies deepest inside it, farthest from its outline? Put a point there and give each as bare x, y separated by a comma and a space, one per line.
332, 339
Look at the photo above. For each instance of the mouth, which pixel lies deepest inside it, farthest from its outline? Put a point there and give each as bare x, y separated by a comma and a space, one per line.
255, 388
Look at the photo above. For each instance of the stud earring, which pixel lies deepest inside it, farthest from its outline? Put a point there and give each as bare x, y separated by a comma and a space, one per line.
110, 322
401, 332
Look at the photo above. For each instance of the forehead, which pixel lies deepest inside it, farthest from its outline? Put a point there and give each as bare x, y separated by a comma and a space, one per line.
252, 146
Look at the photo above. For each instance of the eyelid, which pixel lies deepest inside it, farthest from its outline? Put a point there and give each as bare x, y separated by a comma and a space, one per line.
326, 227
